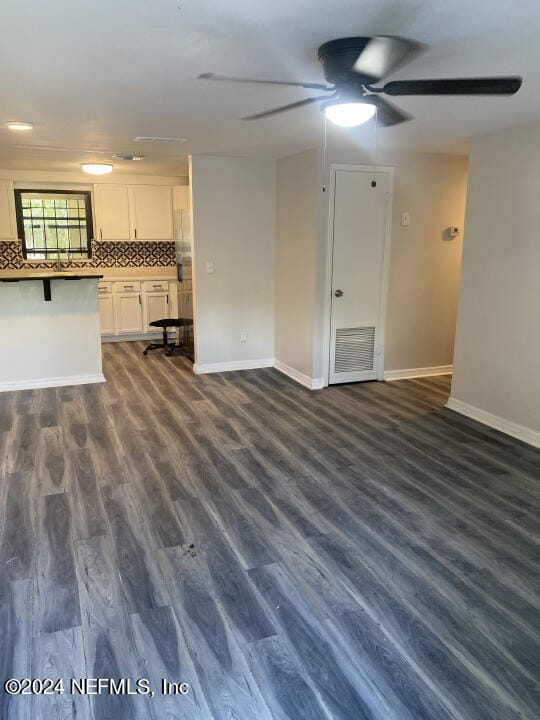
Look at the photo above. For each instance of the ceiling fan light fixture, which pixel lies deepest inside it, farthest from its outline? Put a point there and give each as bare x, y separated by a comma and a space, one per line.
97, 168
348, 114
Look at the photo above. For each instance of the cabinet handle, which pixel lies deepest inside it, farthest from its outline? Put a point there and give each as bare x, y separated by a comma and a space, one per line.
140, 303
157, 286
135, 229
100, 234
167, 298
128, 287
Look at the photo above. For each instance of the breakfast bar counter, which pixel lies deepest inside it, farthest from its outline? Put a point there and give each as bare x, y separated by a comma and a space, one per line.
49, 324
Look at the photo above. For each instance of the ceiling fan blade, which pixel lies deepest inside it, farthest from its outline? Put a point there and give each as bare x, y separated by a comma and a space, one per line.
285, 108
385, 53
387, 113
226, 78
455, 86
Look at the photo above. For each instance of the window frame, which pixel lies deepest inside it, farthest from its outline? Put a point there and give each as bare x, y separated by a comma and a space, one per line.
20, 220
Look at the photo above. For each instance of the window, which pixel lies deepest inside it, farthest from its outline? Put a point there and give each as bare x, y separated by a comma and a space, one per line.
54, 223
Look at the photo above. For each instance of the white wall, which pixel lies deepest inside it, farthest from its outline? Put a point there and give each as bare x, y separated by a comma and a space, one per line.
297, 197
233, 227
424, 265
49, 343
497, 353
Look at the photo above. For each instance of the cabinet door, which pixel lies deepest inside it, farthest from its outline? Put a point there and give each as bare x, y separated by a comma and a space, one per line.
155, 307
181, 197
106, 314
128, 312
112, 211
151, 212
8, 226
173, 300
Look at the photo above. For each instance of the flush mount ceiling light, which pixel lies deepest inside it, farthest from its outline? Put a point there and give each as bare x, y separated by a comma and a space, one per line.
97, 168
348, 114
19, 125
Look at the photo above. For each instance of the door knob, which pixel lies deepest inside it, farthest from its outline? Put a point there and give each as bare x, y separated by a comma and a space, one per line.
338, 293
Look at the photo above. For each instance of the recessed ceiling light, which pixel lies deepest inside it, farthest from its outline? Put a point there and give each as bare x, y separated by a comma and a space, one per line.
19, 125
97, 168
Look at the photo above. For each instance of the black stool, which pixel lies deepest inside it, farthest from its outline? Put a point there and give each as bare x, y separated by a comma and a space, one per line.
164, 324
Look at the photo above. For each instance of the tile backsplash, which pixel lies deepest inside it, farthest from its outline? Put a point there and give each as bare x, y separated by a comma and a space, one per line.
105, 254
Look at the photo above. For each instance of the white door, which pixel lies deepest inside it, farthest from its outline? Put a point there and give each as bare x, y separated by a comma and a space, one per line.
106, 314
112, 206
360, 210
128, 312
152, 212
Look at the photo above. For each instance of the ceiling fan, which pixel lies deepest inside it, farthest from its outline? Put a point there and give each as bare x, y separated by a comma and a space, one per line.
352, 65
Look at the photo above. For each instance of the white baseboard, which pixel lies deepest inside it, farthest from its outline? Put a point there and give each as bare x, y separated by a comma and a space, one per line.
129, 337
51, 382
233, 365
495, 421
411, 373
305, 380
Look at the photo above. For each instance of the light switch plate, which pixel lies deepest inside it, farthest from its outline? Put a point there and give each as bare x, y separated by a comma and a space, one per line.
405, 218
209, 266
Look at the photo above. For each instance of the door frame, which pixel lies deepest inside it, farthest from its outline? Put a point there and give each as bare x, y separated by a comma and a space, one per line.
334, 167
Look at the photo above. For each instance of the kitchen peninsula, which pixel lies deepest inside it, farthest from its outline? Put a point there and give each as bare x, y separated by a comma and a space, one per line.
50, 327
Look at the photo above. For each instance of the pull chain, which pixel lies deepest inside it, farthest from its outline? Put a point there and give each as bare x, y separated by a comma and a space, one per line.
373, 149
324, 155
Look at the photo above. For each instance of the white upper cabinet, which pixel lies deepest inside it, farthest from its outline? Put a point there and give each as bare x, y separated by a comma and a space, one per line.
112, 212
181, 197
8, 224
134, 212
151, 212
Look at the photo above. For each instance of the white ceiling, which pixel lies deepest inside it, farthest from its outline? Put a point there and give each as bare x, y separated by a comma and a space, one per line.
92, 76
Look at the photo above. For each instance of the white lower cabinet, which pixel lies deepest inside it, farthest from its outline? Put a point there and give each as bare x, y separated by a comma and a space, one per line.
106, 308
126, 307
128, 313
106, 315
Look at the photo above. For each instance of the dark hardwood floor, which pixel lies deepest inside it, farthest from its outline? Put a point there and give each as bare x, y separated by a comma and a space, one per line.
358, 553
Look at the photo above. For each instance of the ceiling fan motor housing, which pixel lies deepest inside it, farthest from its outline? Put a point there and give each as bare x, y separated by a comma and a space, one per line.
338, 58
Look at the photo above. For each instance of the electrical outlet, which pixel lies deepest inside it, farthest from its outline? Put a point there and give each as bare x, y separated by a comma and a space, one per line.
243, 336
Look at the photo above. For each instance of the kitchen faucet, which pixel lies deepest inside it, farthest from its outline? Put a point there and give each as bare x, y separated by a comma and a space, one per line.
58, 267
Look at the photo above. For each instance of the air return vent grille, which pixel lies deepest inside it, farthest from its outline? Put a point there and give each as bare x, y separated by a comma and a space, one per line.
355, 349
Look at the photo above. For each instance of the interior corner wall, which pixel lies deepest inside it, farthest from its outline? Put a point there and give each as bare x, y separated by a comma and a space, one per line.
425, 263
233, 206
497, 349
297, 189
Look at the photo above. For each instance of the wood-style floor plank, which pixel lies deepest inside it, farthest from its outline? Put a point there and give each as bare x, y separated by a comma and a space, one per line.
355, 553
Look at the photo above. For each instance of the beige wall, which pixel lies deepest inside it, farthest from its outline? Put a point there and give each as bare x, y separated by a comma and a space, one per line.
497, 354
234, 227
424, 266
297, 190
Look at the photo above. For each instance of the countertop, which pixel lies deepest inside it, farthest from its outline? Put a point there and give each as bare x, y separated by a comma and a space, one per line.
49, 275
114, 273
